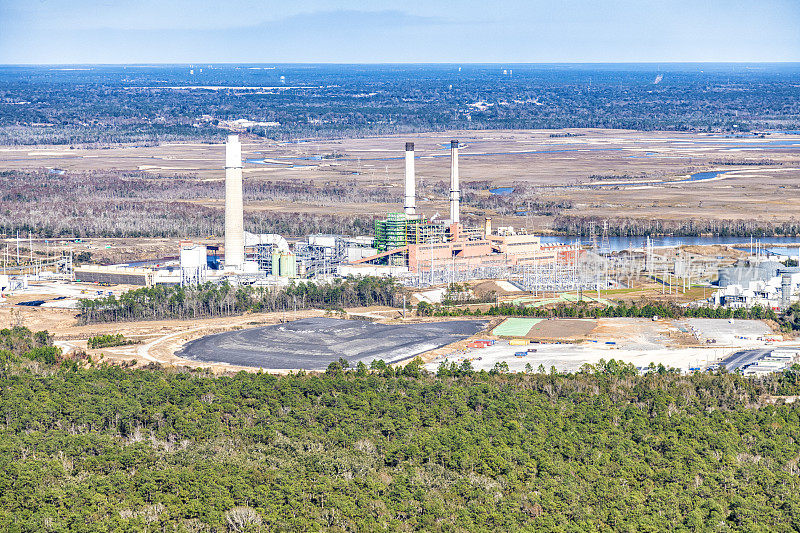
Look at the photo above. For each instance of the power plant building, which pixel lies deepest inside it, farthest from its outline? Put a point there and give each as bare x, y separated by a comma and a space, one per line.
411, 240
405, 243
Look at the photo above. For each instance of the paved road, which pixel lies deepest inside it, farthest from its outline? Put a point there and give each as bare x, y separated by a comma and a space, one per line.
744, 357
313, 343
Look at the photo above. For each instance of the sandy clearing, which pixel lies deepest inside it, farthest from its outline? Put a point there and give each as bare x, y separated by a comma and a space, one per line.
568, 329
570, 357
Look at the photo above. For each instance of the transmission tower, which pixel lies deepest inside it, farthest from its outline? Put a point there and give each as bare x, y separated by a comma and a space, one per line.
605, 245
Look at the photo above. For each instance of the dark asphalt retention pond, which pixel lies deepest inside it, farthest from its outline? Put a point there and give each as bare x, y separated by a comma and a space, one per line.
313, 343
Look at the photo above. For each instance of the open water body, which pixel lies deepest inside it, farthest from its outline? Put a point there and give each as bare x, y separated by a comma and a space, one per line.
790, 251
752, 144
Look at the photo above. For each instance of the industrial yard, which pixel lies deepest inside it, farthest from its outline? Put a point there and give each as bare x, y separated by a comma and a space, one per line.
687, 345
285, 341
445, 253
406, 244
419, 238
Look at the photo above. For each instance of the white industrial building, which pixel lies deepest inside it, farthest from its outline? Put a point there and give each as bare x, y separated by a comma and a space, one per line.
776, 292
194, 264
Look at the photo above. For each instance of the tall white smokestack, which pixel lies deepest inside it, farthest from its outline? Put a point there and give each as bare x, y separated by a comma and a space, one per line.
455, 190
410, 205
234, 209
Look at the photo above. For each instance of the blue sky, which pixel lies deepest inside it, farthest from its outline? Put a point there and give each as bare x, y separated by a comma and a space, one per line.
349, 31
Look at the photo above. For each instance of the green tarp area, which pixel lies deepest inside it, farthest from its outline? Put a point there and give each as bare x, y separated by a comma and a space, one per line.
516, 327
530, 301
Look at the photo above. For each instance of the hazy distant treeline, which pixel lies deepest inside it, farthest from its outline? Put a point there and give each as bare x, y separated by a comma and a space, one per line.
110, 105
107, 134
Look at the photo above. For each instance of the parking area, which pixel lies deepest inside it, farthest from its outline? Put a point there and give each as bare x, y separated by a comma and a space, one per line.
731, 332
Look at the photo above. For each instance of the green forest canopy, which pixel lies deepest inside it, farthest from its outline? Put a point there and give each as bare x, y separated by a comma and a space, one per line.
111, 449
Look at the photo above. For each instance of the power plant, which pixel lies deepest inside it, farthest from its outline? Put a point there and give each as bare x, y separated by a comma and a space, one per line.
408, 245
416, 248
433, 256
418, 244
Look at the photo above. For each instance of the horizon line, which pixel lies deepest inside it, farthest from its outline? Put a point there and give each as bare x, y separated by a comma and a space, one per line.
471, 63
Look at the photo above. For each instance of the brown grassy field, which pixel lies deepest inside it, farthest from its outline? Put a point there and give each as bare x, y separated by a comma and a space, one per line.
762, 187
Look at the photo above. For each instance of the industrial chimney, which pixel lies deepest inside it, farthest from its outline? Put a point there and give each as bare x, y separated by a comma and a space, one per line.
410, 206
455, 190
234, 210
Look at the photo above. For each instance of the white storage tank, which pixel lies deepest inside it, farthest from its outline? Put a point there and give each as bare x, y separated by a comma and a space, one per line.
194, 256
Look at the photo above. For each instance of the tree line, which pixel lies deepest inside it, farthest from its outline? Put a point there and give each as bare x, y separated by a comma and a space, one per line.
124, 204
107, 341
692, 227
212, 300
130, 204
644, 309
